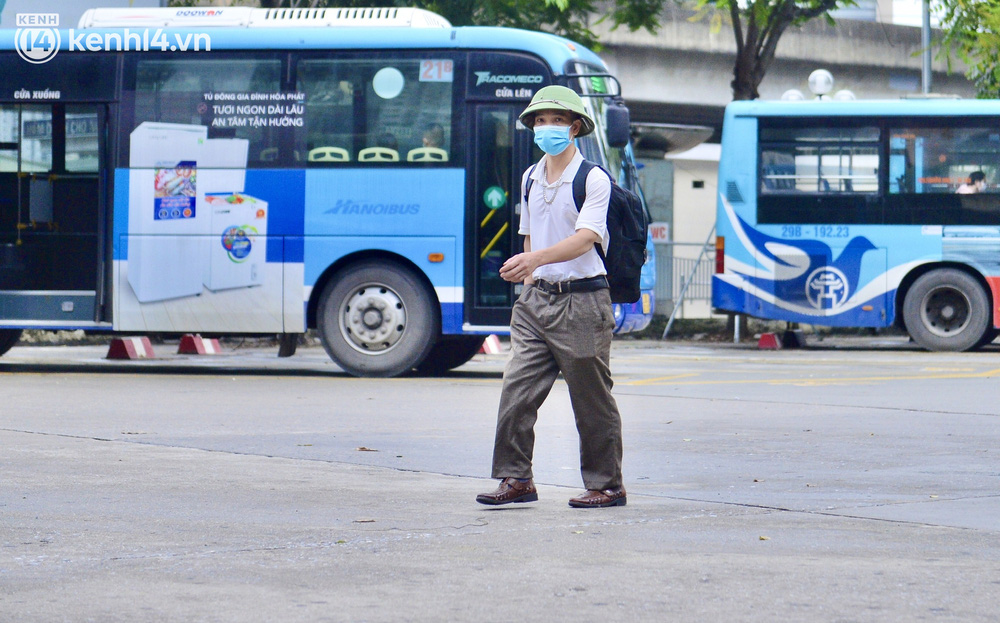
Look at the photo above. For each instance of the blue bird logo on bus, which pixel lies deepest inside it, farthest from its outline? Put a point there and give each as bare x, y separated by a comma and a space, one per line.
802, 276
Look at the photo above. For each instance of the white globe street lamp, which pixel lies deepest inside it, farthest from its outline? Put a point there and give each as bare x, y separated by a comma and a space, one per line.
820, 82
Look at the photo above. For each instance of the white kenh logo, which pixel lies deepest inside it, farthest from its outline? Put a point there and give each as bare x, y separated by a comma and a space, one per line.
36, 44
36, 38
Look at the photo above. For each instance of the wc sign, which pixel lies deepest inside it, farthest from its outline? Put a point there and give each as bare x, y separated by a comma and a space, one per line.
37, 39
660, 231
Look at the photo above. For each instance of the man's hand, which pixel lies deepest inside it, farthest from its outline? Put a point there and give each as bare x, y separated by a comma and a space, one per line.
519, 267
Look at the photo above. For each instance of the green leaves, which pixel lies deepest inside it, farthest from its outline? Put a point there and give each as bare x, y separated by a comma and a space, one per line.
972, 33
636, 14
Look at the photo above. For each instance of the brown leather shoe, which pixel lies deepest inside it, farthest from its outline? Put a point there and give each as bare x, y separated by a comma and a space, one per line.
599, 499
510, 490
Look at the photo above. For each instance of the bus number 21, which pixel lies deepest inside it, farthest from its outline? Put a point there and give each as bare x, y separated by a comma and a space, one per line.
436, 71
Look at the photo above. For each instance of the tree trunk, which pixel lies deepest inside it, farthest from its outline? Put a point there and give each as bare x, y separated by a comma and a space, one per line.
756, 47
743, 84
745, 71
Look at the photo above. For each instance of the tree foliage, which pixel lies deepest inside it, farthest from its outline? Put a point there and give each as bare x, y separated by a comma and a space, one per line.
971, 31
569, 18
758, 26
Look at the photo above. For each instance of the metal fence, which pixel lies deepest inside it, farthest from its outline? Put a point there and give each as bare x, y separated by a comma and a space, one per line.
672, 272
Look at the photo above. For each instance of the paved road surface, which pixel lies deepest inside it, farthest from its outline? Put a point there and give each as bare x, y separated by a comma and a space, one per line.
840, 483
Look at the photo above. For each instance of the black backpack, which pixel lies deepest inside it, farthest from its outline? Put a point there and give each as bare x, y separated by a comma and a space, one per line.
627, 227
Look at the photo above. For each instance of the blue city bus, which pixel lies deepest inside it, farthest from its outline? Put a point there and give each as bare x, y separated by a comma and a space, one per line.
268, 171
861, 214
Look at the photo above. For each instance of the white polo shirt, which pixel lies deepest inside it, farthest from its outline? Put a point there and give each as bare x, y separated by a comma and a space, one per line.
549, 223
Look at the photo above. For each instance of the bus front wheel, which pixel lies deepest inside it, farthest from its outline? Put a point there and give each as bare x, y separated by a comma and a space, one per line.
377, 319
8, 338
948, 310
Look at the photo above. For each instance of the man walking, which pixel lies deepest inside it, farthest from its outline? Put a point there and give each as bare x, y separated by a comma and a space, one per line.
562, 322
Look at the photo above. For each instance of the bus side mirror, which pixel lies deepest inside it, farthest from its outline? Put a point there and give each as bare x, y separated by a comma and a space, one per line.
618, 124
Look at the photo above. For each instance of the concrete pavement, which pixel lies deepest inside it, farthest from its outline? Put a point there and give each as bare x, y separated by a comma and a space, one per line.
842, 509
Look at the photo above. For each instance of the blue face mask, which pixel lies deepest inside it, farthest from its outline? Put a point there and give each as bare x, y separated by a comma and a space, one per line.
552, 139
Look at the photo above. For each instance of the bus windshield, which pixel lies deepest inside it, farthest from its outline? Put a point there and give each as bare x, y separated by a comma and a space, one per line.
596, 88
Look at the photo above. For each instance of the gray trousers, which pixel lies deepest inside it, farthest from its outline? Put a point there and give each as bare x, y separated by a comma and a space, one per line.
568, 333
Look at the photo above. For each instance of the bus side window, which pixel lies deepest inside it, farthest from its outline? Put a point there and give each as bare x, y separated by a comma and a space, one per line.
819, 159
926, 160
818, 173
930, 164
229, 96
391, 111
778, 177
9, 135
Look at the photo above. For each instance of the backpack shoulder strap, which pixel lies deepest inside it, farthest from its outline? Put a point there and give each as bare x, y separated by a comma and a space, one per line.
527, 184
580, 183
580, 192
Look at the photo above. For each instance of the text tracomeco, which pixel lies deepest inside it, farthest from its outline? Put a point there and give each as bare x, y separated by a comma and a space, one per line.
488, 78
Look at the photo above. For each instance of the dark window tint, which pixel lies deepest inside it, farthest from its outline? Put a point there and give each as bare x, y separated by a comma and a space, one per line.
818, 173
26, 129
29, 145
942, 159
944, 174
81, 139
378, 111
233, 98
819, 160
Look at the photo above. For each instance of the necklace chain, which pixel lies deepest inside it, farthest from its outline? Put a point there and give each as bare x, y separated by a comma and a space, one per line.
554, 186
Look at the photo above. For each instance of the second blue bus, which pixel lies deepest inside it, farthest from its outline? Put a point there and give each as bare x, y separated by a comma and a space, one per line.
863, 214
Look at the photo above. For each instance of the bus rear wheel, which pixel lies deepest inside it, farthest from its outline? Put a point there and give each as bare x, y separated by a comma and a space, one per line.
947, 310
450, 352
377, 319
8, 338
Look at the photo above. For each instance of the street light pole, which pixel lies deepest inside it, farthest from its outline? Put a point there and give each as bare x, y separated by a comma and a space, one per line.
925, 36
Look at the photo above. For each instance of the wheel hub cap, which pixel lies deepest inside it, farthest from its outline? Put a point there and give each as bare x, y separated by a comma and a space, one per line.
945, 311
373, 318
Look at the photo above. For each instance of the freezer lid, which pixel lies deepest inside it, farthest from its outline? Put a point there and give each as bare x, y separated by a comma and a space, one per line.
223, 164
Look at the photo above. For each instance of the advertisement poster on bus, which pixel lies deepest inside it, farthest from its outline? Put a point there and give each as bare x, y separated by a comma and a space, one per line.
196, 241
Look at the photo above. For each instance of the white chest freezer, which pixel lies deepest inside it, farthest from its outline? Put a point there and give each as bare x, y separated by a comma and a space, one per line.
237, 250
167, 232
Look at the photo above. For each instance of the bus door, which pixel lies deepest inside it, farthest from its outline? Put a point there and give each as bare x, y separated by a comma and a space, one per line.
500, 154
51, 208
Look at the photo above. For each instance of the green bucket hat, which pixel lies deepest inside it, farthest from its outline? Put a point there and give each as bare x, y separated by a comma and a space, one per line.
557, 98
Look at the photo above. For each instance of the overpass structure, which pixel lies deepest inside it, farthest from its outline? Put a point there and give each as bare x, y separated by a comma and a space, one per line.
682, 74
